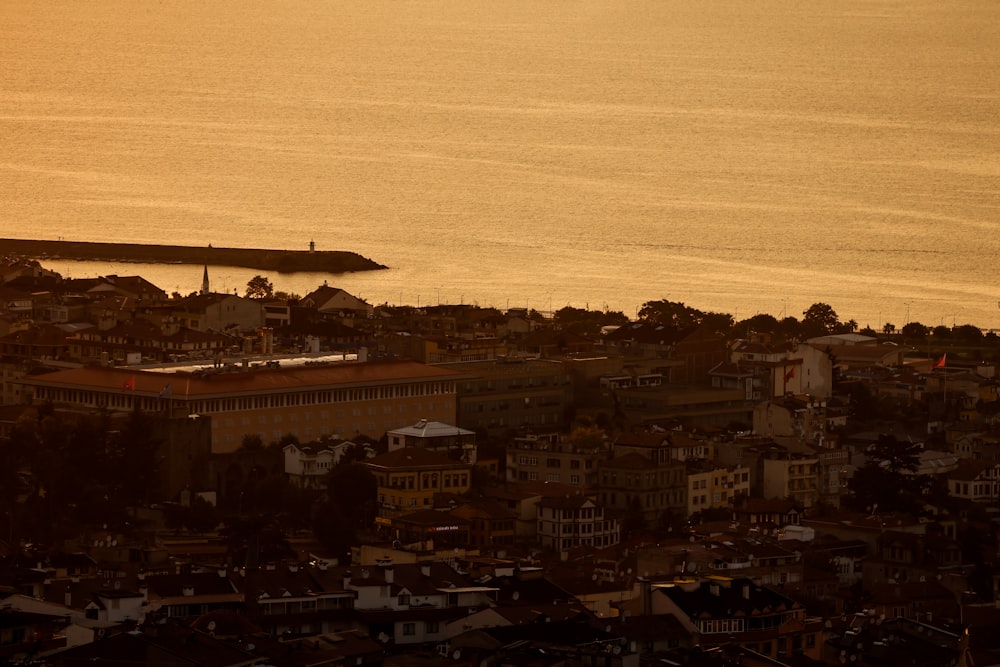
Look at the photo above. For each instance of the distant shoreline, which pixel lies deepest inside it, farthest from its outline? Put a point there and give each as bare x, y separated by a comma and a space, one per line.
282, 261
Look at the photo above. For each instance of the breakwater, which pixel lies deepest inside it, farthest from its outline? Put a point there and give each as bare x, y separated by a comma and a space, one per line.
282, 261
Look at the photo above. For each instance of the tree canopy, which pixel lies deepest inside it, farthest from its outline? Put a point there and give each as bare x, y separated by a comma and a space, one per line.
259, 287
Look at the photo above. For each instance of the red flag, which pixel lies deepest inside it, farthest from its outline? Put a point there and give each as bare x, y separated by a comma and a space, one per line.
940, 362
790, 374
129, 384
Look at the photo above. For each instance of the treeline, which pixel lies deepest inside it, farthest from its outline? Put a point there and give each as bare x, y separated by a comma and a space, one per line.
818, 320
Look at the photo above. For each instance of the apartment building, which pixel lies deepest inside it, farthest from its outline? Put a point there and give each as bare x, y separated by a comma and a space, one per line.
575, 521
714, 486
791, 475
656, 489
546, 458
408, 478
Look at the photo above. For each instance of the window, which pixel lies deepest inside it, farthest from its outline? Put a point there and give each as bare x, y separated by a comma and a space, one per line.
433, 627
404, 600
409, 629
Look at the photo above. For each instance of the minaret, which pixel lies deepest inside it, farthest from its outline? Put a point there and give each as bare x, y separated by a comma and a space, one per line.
204, 281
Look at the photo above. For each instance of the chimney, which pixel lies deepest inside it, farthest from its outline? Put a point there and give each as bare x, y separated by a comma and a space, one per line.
347, 580
389, 574
425, 569
746, 591
222, 573
68, 596
713, 588
144, 592
293, 567
187, 591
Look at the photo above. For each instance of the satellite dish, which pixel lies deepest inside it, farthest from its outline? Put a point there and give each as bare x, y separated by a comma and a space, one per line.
384, 638
211, 626
516, 596
118, 585
457, 654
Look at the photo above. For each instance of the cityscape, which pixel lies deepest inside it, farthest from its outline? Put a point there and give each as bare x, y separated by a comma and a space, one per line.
255, 477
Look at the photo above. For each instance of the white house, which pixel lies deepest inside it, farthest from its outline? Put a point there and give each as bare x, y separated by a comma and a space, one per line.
307, 465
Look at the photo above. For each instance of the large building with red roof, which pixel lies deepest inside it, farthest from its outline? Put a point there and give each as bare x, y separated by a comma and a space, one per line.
345, 399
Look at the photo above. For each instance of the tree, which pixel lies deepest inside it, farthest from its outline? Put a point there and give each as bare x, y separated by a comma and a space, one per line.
587, 438
352, 489
669, 314
251, 541
581, 321
968, 333
914, 330
134, 458
886, 482
252, 442
760, 323
819, 319
259, 287
889, 329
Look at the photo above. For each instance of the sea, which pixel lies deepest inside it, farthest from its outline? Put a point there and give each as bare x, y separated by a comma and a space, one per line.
736, 156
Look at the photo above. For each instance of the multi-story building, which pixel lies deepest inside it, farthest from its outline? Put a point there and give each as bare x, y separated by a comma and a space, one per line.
143, 342
491, 525
575, 521
452, 441
546, 458
307, 466
662, 446
695, 404
408, 478
208, 311
440, 350
344, 399
714, 486
504, 395
978, 481
635, 483
791, 475
798, 415
834, 470
723, 610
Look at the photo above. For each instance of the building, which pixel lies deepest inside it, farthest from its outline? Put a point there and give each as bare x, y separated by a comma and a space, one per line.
452, 441
791, 475
345, 399
724, 610
794, 415
978, 481
505, 395
633, 485
575, 521
408, 479
712, 486
546, 458
326, 299
308, 465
